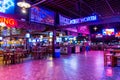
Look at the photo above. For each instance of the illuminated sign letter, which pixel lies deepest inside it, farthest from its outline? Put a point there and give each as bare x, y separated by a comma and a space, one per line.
8, 21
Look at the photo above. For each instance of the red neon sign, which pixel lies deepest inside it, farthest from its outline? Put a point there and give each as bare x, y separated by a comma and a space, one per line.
8, 21
117, 34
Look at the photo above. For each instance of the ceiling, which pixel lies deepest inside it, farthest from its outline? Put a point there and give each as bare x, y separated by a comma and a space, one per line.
82, 8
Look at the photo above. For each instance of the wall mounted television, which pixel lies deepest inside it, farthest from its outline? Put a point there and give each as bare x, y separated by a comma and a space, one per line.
41, 15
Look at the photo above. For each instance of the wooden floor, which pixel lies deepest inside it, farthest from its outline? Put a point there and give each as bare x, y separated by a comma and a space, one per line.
87, 66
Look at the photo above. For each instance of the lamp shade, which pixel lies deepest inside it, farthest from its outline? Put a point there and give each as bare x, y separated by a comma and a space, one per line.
24, 4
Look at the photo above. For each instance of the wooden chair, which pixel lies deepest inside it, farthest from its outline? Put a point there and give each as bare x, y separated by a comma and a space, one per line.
43, 52
34, 54
6, 58
49, 50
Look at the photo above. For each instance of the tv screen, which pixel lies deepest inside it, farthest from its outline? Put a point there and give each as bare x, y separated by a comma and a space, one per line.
42, 15
108, 31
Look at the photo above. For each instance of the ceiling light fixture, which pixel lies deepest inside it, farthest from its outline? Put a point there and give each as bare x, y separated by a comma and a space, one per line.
23, 5
23, 10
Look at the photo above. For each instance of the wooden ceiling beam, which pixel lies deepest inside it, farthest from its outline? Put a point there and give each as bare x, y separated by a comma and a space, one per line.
110, 6
72, 12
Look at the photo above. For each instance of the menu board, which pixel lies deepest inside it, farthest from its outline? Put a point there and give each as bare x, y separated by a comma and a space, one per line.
42, 15
7, 6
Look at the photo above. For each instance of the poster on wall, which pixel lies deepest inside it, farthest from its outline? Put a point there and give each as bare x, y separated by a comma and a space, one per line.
42, 15
7, 6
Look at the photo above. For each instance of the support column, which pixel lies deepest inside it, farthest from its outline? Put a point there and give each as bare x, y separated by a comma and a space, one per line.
54, 41
56, 18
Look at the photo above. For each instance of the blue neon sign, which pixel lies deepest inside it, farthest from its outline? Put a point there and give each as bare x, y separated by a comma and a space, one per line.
85, 19
89, 18
7, 6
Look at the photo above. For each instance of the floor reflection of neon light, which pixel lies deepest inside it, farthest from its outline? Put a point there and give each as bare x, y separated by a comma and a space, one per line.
5, 5
109, 72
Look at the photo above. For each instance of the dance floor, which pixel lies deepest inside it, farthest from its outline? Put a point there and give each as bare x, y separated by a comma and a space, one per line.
87, 66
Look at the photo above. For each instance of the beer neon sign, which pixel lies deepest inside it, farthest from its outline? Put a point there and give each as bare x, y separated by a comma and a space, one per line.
7, 6
8, 21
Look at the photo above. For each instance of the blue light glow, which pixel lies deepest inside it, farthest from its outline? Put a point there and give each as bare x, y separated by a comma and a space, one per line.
7, 6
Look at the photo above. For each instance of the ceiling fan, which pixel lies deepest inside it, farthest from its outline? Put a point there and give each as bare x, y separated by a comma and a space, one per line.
38, 2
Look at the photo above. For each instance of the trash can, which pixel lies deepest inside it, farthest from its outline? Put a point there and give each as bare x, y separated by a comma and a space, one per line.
57, 53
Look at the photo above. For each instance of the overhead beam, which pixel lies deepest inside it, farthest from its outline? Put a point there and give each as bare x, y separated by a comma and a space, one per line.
63, 8
38, 3
80, 6
87, 5
110, 6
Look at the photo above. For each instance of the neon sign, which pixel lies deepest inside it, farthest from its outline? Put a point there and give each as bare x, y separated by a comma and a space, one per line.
8, 21
99, 36
90, 18
7, 6
82, 20
117, 34
108, 31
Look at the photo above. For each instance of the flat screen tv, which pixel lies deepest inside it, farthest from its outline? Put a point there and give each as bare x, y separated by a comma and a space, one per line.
108, 31
42, 15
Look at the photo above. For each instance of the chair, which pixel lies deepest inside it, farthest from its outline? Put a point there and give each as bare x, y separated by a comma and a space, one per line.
6, 58
34, 53
44, 53
49, 50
